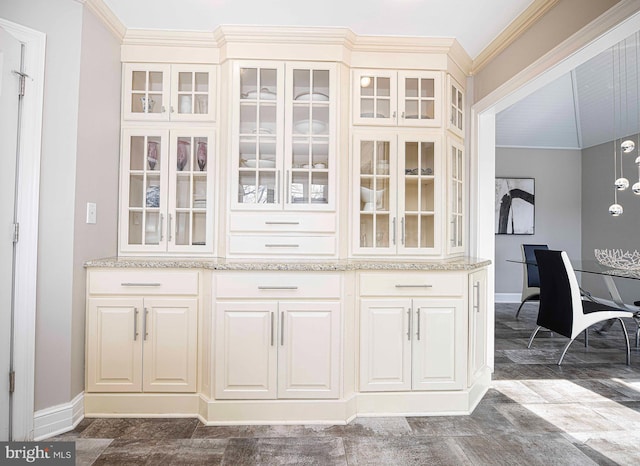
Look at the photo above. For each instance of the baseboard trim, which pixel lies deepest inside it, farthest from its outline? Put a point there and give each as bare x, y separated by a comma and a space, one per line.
58, 419
507, 297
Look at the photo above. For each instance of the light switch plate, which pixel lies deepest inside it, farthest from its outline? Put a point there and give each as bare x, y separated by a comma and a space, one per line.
91, 212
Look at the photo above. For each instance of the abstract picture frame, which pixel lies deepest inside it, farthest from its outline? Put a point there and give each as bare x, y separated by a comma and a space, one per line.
515, 206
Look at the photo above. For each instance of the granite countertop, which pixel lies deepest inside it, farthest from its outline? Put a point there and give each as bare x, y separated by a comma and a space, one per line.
458, 263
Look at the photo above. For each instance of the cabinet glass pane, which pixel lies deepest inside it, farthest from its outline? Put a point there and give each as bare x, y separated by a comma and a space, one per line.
193, 92
258, 84
374, 194
185, 81
375, 97
152, 228
419, 195
135, 227
256, 186
419, 99
183, 228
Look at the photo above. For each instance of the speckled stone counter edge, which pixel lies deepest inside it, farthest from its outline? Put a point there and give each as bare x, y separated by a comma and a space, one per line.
460, 263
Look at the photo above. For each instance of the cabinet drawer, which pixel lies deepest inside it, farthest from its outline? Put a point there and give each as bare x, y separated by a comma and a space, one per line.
316, 222
412, 284
148, 282
277, 285
282, 245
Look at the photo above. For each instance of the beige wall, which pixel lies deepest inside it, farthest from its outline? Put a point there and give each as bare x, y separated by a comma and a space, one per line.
563, 20
97, 162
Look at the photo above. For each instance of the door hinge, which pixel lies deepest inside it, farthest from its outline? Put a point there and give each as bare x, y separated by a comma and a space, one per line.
16, 232
22, 77
12, 381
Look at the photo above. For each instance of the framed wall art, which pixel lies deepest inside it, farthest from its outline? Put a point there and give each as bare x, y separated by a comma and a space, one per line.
515, 206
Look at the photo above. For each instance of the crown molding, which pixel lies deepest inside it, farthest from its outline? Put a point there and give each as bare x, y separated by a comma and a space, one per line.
512, 32
104, 13
225, 34
169, 38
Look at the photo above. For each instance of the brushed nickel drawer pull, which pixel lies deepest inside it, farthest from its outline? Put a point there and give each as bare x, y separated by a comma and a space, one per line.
144, 328
414, 286
265, 287
281, 223
281, 245
135, 324
418, 325
139, 284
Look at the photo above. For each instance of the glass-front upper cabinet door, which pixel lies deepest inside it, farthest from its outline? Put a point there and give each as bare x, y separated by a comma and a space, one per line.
192, 170
144, 187
146, 92
456, 197
193, 92
258, 127
419, 98
456, 107
374, 97
309, 137
375, 199
419, 197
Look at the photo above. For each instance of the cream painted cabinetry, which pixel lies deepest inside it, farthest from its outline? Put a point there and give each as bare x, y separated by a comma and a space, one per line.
417, 340
284, 165
161, 92
456, 107
397, 98
283, 343
141, 331
455, 196
167, 184
477, 324
397, 193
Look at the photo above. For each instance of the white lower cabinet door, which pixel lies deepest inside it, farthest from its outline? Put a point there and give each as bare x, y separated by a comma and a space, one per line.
477, 324
308, 349
114, 345
246, 358
169, 344
439, 344
385, 345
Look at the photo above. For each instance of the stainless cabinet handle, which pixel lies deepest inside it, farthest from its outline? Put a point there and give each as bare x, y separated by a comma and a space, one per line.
409, 324
161, 227
139, 284
282, 328
144, 324
286, 187
394, 115
402, 116
418, 325
135, 324
414, 286
272, 328
163, 109
402, 229
271, 245
281, 223
169, 226
265, 287
394, 231
476, 296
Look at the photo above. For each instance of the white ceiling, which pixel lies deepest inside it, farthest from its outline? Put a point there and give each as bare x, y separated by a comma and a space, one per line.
474, 23
577, 110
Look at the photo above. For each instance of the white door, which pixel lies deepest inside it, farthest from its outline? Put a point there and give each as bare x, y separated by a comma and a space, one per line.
10, 57
308, 351
169, 344
246, 366
438, 344
114, 351
385, 345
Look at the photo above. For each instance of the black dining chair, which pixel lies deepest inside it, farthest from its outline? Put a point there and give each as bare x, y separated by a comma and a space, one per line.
530, 278
562, 309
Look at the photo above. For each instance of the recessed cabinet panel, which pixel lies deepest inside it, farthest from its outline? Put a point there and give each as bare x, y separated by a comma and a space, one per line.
114, 345
169, 332
246, 365
385, 345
